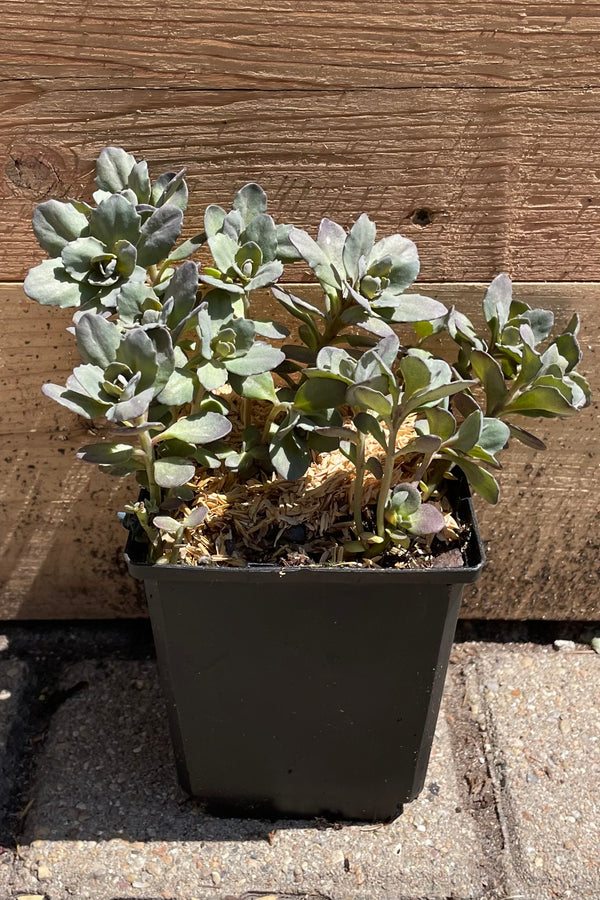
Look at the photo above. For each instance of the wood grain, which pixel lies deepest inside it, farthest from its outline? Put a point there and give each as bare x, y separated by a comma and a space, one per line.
61, 544
499, 180
283, 44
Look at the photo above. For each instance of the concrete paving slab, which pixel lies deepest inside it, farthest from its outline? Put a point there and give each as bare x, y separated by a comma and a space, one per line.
109, 820
541, 711
13, 680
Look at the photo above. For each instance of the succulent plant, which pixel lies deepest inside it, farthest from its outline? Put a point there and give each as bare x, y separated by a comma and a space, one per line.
171, 358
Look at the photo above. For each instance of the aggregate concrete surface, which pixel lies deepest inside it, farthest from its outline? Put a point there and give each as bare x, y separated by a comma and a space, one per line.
509, 808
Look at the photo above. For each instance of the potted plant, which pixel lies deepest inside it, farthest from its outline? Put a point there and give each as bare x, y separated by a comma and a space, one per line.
304, 528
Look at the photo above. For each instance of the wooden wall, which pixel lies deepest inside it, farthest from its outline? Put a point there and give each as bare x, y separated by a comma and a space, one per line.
472, 127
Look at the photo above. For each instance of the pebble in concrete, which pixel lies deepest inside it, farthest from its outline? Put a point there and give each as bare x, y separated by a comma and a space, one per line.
541, 709
109, 820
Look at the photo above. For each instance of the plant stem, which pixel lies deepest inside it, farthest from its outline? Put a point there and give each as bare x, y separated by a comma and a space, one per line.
246, 412
386, 479
148, 450
357, 494
275, 410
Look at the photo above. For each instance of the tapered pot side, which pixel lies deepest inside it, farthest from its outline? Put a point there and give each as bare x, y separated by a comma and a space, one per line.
305, 691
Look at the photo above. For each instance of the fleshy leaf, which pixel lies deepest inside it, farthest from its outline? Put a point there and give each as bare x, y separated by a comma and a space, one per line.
173, 471
158, 234
106, 453
55, 224
113, 169
259, 358
51, 285
97, 340
201, 428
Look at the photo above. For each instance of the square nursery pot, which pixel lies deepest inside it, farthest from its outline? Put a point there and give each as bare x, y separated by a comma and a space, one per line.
300, 692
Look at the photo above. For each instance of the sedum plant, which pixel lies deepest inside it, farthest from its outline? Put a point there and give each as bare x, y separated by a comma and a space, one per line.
186, 379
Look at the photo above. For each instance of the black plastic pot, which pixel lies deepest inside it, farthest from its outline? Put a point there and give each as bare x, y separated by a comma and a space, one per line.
305, 691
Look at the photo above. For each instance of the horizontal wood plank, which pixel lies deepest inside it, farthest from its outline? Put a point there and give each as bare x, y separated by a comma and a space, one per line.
61, 544
283, 44
484, 181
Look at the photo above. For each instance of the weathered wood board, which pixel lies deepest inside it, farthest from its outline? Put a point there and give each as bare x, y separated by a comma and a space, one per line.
61, 544
483, 179
315, 45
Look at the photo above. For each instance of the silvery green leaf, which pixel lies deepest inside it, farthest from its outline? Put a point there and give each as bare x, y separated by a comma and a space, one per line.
97, 339
269, 329
80, 404
541, 322
266, 275
362, 301
461, 329
178, 390
426, 520
568, 347
422, 398
187, 248
132, 409
368, 424
526, 437
286, 251
260, 358
126, 255
115, 219
133, 299
106, 453
214, 217
182, 288
223, 249
356, 315
497, 303
492, 380
196, 517
221, 285
201, 428
212, 374
87, 379
165, 355
320, 393
363, 396
469, 433
173, 471
416, 374
480, 480
358, 245
158, 234
318, 261
546, 400
250, 200
299, 308
331, 239
113, 168
170, 187
410, 307
139, 182
51, 285
289, 457
55, 224
255, 387
167, 523
404, 260
441, 422
405, 500
425, 444
248, 258
261, 231
494, 435
138, 351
